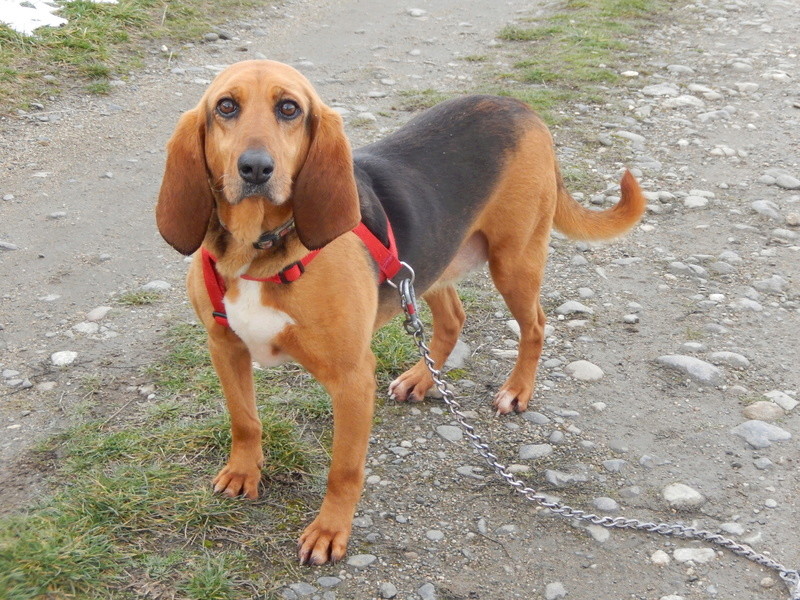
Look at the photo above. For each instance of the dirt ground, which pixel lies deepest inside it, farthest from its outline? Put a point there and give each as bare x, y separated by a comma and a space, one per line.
708, 115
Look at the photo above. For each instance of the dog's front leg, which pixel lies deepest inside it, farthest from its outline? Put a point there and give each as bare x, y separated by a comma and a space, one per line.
352, 390
234, 368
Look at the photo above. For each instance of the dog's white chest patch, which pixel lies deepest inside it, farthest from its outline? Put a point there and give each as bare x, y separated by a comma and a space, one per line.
257, 325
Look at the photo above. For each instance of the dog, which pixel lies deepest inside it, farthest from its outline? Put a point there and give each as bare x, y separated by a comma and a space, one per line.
297, 235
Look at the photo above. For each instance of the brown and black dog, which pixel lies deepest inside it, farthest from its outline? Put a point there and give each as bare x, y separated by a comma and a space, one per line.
260, 173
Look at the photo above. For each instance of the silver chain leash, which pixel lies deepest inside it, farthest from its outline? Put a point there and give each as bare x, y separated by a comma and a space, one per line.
413, 326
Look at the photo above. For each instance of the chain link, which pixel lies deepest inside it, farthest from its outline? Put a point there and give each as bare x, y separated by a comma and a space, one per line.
414, 327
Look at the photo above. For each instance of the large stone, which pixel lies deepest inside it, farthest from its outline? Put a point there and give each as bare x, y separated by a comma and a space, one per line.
449, 432
459, 356
785, 401
695, 555
534, 451
583, 370
573, 306
760, 434
763, 410
732, 359
660, 89
699, 370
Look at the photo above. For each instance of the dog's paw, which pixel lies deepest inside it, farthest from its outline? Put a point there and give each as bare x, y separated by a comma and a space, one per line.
412, 385
323, 541
233, 481
507, 401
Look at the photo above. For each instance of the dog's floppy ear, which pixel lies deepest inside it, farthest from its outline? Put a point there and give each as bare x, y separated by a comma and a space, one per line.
324, 196
185, 200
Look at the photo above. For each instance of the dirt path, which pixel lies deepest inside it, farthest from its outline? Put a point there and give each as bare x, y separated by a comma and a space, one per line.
710, 122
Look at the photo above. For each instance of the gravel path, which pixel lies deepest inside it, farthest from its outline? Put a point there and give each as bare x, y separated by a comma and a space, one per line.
669, 381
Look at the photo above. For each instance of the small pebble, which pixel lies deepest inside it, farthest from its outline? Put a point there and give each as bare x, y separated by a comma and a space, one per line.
554, 590
681, 496
660, 558
63, 358
361, 561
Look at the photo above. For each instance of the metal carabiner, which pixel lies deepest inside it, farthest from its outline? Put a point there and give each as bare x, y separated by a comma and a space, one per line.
410, 275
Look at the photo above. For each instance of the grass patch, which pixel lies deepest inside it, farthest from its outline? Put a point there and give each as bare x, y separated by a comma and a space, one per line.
133, 514
414, 100
576, 49
475, 58
130, 499
138, 298
100, 41
394, 350
134, 511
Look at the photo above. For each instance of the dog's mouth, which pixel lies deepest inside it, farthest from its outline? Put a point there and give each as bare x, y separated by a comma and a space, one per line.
271, 192
250, 190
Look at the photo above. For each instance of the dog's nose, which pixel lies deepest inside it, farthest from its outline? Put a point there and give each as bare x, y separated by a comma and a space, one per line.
255, 166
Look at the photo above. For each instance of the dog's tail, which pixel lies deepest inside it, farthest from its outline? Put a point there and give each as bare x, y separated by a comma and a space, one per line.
580, 223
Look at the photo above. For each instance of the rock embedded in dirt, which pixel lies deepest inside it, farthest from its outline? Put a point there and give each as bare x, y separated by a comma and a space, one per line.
731, 359
302, 589
451, 433
660, 558
605, 504
583, 370
760, 434
681, 496
534, 451
63, 358
361, 561
157, 285
695, 555
767, 208
787, 182
699, 370
459, 356
785, 401
772, 285
555, 590
427, 592
98, 314
573, 307
328, 581
763, 411
561, 479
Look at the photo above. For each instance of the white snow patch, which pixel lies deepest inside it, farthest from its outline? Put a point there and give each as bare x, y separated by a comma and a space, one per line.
25, 16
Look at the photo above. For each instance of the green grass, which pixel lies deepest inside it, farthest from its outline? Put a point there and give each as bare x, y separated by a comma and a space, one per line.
414, 100
138, 298
132, 509
569, 54
100, 41
394, 350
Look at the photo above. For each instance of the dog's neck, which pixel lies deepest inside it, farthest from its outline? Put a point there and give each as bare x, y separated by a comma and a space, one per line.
253, 237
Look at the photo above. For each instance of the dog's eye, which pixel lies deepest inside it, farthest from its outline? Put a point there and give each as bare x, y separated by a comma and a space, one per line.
288, 109
227, 107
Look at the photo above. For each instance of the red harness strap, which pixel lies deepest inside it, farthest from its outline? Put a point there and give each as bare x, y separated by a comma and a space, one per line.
215, 286
386, 258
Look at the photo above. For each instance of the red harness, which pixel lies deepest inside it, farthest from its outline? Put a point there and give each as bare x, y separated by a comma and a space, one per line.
386, 258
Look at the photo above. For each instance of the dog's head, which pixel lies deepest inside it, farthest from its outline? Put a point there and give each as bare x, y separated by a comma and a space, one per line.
259, 143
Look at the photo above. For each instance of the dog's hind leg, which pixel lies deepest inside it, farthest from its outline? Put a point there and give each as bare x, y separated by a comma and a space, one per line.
518, 278
448, 319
